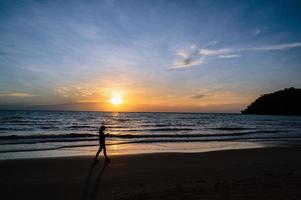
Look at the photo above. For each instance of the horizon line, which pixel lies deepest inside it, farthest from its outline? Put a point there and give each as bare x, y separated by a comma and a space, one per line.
41, 110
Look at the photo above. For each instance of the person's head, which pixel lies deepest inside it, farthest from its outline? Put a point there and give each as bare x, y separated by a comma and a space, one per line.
102, 128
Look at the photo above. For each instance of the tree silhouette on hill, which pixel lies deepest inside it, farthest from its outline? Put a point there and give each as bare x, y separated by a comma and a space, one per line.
282, 102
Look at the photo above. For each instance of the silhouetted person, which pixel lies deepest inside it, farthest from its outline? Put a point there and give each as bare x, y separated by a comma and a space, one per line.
102, 144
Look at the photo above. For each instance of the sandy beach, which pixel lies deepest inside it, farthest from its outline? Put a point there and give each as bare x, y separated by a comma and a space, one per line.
271, 173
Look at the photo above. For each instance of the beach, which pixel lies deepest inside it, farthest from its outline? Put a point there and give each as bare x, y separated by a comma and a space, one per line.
189, 100
262, 173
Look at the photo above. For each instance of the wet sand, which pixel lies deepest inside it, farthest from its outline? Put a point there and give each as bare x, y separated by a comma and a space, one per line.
270, 173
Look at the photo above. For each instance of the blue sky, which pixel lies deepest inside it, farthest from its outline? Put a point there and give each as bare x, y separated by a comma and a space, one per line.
204, 56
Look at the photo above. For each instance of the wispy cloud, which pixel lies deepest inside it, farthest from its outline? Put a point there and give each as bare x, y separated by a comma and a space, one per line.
14, 94
75, 91
188, 58
258, 31
188, 63
229, 56
198, 56
197, 96
213, 42
209, 52
88, 101
274, 47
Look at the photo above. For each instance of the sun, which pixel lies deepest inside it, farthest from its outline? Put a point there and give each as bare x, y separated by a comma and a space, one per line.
116, 100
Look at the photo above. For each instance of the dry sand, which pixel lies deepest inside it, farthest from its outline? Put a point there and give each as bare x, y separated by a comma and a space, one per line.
271, 173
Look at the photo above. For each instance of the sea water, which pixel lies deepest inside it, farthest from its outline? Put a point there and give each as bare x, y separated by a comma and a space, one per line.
27, 134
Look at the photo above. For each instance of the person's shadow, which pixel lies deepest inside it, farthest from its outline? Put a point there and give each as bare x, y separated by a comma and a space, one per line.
90, 190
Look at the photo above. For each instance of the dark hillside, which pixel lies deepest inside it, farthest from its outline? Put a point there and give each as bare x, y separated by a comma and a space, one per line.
282, 102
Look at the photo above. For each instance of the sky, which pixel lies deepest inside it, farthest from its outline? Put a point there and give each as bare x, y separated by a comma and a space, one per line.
159, 55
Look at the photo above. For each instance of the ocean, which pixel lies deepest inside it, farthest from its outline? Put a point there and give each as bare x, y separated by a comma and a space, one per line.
30, 134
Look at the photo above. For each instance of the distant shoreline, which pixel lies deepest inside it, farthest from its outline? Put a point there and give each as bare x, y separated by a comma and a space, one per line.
225, 113
38, 110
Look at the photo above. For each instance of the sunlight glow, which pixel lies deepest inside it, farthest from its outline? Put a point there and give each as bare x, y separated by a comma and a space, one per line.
116, 100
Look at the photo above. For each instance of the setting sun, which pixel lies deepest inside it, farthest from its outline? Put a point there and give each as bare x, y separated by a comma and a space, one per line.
116, 100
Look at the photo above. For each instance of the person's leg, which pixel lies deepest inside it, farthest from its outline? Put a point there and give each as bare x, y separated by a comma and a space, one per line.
105, 153
99, 150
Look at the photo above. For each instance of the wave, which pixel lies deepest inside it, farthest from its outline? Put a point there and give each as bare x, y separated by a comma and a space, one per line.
115, 126
35, 139
11, 118
193, 135
167, 125
81, 135
155, 125
48, 127
161, 129
76, 137
231, 128
262, 139
81, 127
16, 129
70, 135
16, 121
